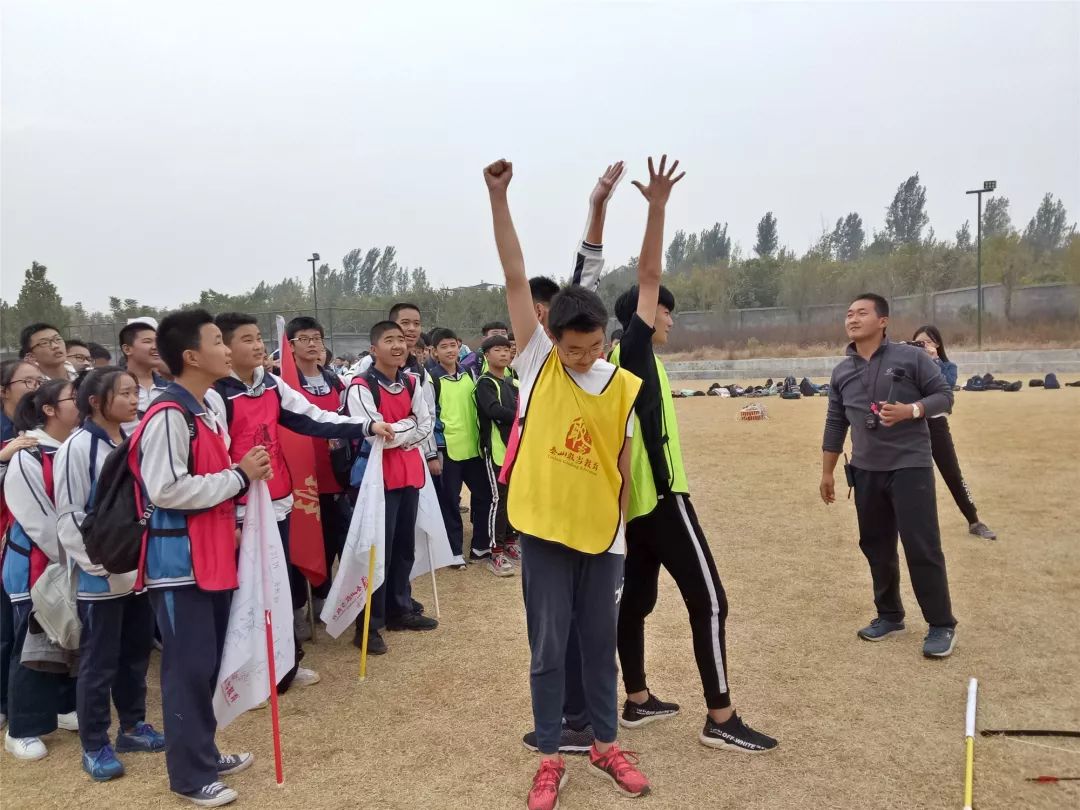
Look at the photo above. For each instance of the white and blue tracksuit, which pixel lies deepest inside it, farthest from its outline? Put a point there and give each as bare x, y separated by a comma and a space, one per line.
117, 624
34, 698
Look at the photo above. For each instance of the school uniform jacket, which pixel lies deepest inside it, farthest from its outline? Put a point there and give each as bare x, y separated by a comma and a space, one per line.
429, 446
253, 415
75, 475
32, 541
403, 459
172, 480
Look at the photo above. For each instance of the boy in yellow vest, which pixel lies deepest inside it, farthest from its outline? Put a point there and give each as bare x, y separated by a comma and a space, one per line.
662, 528
567, 497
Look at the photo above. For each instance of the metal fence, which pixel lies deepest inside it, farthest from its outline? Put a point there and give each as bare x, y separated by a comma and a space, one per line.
346, 329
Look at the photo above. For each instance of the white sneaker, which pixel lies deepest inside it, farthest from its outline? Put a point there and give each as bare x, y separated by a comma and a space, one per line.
305, 677
499, 565
68, 722
301, 626
25, 748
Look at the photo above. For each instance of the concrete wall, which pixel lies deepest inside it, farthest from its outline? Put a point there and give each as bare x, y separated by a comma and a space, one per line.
1024, 365
1041, 301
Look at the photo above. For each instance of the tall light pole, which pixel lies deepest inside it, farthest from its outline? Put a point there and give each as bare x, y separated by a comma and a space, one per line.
314, 289
988, 186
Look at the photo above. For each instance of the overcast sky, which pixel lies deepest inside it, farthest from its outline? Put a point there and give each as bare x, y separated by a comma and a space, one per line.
152, 150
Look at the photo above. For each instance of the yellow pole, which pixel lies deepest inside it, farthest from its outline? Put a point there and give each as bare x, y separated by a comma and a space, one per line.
969, 772
969, 733
367, 613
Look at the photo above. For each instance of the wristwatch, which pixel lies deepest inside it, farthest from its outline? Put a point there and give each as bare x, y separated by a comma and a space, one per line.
916, 411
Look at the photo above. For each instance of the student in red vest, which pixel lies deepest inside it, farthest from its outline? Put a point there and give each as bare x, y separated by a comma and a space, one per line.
324, 389
37, 702
253, 403
179, 454
387, 393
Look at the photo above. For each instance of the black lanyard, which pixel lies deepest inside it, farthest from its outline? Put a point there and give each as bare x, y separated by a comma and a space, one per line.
869, 390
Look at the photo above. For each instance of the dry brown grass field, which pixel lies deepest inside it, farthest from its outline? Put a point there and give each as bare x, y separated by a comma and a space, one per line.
437, 725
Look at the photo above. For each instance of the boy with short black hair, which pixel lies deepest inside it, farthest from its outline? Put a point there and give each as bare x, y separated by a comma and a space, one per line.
78, 354
326, 390
385, 392
456, 412
662, 528
138, 345
496, 406
44, 346
99, 355
567, 497
253, 403
188, 563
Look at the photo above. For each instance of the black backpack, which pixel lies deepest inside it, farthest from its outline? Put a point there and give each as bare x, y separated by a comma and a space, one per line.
114, 526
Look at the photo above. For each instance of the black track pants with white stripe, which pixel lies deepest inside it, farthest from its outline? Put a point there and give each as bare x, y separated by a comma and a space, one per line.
670, 536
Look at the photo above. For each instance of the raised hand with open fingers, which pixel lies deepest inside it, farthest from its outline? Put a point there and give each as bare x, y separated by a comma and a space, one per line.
497, 175
660, 182
605, 185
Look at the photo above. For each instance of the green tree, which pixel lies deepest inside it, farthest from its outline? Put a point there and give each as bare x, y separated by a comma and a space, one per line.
996, 220
906, 215
963, 237
385, 274
847, 238
1006, 258
676, 252
38, 299
419, 280
767, 237
1049, 228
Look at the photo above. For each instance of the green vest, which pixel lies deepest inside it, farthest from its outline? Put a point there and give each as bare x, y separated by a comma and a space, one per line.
457, 410
643, 495
498, 446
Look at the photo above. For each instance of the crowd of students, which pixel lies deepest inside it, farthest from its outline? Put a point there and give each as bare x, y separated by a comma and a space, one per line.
571, 456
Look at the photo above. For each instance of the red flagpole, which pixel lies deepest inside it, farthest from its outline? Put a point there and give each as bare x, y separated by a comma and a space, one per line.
275, 721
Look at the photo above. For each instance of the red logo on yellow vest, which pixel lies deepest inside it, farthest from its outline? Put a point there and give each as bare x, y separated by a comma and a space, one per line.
577, 447
578, 439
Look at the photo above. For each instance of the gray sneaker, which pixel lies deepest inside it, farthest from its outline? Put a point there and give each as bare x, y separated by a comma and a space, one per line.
571, 741
939, 642
879, 629
980, 529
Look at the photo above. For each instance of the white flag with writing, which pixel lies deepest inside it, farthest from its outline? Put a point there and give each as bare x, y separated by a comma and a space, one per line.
244, 679
353, 583
432, 542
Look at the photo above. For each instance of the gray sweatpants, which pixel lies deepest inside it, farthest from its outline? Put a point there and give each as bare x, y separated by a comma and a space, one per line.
565, 588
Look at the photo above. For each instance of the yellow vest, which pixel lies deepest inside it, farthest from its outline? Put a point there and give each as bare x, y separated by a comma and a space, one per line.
566, 482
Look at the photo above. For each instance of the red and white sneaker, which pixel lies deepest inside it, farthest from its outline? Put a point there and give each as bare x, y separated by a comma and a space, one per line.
621, 768
549, 780
512, 549
499, 565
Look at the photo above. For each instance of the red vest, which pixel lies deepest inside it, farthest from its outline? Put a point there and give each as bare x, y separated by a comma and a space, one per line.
212, 532
38, 558
324, 472
401, 467
254, 420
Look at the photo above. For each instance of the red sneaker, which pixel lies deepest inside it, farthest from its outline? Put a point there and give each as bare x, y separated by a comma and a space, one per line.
547, 783
620, 767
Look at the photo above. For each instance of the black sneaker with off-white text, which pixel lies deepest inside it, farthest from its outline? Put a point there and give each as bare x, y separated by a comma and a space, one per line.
640, 714
735, 735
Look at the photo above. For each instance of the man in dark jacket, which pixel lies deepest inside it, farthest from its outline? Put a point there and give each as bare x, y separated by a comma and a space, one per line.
884, 392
